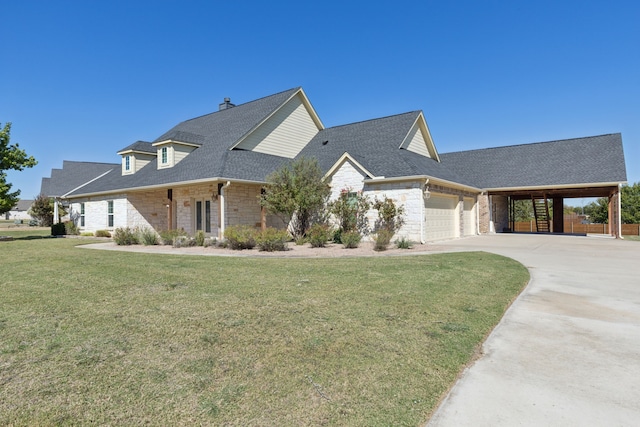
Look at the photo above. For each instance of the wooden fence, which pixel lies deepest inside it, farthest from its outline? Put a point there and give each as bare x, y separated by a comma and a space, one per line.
569, 227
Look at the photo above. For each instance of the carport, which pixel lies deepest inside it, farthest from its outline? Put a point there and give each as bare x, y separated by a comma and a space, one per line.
592, 166
554, 222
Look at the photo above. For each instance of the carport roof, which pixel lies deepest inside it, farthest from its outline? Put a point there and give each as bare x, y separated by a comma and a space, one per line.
588, 161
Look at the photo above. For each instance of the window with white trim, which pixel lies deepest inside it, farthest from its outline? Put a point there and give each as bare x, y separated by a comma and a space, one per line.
110, 213
81, 214
127, 163
164, 155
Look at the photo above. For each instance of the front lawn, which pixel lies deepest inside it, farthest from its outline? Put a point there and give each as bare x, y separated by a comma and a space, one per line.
92, 337
632, 238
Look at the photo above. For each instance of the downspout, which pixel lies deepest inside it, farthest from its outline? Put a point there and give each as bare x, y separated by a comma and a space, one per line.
222, 197
423, 240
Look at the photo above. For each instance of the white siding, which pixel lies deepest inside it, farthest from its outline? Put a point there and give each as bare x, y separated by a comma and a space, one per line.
142, 160
441, 217
180, 152
415, 142
285, 133
96, 213
469, 216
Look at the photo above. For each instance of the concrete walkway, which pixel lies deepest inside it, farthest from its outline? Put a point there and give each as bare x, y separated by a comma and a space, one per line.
567, 352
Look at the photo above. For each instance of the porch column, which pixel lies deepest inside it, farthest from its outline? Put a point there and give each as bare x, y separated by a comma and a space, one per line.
56, 213
558, 214
223, 194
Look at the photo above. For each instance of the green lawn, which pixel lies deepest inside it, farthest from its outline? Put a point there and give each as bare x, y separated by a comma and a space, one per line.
92, 338
633, 238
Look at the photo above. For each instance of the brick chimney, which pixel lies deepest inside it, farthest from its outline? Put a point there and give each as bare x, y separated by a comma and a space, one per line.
226, 104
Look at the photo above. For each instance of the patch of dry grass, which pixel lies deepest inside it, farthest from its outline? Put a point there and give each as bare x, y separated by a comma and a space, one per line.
109, 338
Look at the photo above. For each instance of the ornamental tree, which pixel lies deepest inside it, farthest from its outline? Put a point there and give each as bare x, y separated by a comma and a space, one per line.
11, 157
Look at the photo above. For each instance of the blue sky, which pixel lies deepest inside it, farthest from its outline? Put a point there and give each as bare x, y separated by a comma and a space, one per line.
80, 80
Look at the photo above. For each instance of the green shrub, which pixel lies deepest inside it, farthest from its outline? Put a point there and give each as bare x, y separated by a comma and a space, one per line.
209, 241
351, 239
167, 236
300, 241
147, 236
71, 228
58, 229
240, 237
271, 239
382, 239
403, 243
87, 234
350, 211
124, 236
390, 216
319, 234
103, 233
200, 236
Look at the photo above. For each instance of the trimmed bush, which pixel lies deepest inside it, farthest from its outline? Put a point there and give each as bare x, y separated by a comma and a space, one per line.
350, 239
103, 233
147, 236
271, 239
382, 239
240, 237
125, 236
58, 229
319, 234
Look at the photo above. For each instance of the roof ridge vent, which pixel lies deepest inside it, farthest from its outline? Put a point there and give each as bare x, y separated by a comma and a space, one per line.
226, 104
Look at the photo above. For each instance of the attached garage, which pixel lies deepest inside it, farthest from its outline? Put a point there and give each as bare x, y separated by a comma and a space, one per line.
469, 216
441, 217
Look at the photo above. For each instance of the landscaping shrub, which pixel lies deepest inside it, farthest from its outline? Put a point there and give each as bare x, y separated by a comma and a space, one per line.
390, 216
240, 237
350, 211
87, 234
167, 236
184, 242
382, 239
147, 236
58, 229
209, 241
299, 241
103, 233
351, 239
125, 236
200, 236
70, 228
319, 234
403, 243
271, 239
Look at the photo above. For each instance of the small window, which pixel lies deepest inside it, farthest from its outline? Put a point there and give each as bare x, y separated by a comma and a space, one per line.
81, 214
127, 163
110, 213
164, 153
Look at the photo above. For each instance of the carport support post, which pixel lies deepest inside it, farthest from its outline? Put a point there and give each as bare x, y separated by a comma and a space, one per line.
558, 214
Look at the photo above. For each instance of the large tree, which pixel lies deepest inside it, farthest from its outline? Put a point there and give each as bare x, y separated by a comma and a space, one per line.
630, 200
297, 194
11, 157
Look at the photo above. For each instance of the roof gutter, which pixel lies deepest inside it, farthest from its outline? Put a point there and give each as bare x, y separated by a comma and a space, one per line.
432, 180
158, 186
562, 186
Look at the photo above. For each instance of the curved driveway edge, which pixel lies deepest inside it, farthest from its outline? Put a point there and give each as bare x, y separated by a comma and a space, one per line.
567, 352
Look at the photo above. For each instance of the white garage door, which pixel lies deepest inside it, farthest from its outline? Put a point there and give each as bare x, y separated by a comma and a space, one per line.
441, 219
469, 217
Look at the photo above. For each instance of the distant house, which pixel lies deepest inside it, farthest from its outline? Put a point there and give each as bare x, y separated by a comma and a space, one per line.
207, 173
20, 211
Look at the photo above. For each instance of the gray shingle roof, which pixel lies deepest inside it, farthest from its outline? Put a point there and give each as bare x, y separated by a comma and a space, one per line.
589, 160
374, 144
73, 175
141, 146
216, 132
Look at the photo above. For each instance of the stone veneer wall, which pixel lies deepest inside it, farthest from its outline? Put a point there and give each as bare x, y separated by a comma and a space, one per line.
96, 212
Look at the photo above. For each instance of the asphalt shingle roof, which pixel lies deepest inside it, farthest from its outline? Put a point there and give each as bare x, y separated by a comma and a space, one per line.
216, 133
588, 160
72, 175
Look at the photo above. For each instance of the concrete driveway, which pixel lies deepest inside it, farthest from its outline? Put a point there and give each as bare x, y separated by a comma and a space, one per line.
567, 352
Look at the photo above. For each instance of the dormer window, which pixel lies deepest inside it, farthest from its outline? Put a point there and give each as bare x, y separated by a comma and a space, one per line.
164, 155
127, 163
136, 156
